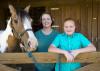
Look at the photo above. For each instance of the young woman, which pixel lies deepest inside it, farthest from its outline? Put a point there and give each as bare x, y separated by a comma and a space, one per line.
45, 36
70, 44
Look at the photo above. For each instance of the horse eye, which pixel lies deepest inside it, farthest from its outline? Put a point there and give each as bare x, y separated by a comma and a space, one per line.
15, 21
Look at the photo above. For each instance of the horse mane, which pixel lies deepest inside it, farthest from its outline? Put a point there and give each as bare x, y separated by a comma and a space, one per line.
22, 14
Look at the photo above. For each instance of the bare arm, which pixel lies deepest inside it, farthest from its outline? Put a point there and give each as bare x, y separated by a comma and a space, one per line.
56, 50
68, 56
89, 48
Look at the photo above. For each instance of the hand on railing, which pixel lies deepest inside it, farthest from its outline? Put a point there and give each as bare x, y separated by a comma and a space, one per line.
69, 56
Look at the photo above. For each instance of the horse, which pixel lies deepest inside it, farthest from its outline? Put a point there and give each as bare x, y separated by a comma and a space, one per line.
18, 31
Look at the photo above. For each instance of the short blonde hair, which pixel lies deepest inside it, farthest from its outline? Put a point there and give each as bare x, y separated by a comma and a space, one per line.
70, 19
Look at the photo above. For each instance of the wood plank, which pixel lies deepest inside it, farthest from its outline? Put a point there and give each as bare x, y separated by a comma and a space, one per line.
22, 58
90, 67
6, 68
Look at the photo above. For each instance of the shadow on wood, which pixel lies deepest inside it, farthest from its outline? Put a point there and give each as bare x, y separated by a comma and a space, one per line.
6, 68
90, 67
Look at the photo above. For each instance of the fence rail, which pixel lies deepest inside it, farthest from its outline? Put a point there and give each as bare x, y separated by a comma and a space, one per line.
22, 58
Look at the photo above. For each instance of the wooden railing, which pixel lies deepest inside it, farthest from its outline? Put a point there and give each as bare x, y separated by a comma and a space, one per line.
23, 58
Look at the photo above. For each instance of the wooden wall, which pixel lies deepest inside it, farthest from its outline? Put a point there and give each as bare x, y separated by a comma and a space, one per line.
87, 15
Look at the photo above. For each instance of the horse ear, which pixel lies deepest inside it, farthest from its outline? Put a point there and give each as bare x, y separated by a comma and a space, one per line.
27, 8
12, 10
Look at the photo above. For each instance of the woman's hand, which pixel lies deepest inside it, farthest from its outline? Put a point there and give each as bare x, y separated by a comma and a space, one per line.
69, 57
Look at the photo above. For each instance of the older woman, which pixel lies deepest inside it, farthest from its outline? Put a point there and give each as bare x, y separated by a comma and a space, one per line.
45, 36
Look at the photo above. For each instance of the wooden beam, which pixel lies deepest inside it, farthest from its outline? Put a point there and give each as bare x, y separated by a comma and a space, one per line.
22, 58
46, 3
90, 67
6, 68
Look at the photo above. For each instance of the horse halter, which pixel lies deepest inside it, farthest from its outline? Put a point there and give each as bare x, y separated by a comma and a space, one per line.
19, 35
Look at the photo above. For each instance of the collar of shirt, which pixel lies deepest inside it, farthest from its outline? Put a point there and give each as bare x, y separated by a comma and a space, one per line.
69, 36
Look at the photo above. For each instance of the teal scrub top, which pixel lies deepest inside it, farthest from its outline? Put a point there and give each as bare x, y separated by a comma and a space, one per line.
72, 42
44, 42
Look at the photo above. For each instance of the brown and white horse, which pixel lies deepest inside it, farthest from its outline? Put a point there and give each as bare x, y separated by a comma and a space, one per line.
18, 31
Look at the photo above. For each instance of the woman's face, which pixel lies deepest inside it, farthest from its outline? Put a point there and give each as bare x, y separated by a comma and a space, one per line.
69, 27
46, 20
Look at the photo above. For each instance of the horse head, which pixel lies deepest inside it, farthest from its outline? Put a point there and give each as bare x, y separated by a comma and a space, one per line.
20, 23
